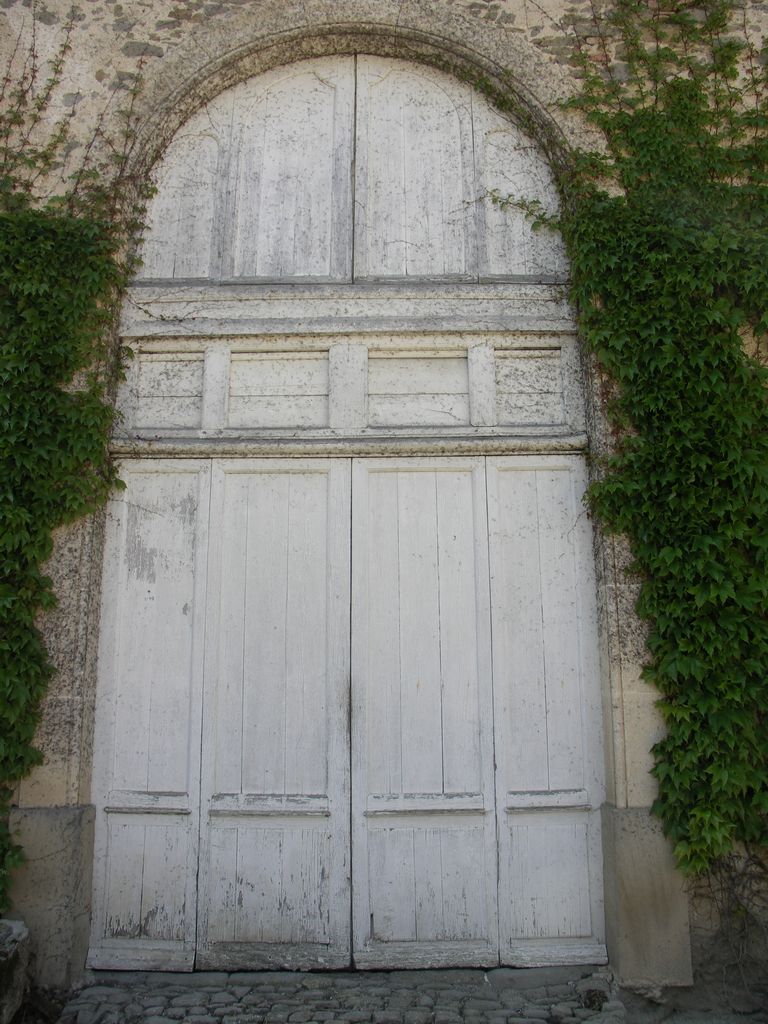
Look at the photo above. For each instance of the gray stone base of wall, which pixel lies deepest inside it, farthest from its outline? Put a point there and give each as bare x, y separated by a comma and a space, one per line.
14, 959
646, 906
51, 891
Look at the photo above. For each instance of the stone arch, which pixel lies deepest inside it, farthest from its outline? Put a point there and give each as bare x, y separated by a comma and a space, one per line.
511, 72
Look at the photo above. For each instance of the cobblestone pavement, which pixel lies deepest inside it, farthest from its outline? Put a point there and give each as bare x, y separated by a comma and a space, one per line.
529, 996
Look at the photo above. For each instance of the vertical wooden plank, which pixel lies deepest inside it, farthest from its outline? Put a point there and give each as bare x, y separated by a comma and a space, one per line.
420, 682
259, 887
125, 861
377, 635
560, 616
266, 639
163, 882
227, 721
518, 633
428, 885
306, 636
347, 386
391, 869
221, 907
457, 603
469, 893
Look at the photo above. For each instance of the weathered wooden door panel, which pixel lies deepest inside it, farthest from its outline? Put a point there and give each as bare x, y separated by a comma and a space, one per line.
289, 183
548, 750
509, 167
424, 843
274, 879
414, 173
147, 746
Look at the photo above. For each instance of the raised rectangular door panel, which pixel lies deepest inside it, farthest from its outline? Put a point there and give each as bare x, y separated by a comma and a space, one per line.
414, 389
180, 241
510, 168
424, 844
546, 712
289, 188
414, 173
147, 746
275, 859
278, 389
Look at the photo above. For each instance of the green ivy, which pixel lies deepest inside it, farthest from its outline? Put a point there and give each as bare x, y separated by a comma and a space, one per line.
63, 264
667, 233
57, 275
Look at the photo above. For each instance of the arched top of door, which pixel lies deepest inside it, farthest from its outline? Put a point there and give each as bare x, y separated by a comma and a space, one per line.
350, 168
325, 271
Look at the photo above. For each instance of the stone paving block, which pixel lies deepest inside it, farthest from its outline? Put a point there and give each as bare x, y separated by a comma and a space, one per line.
195, 998
154, 1019
536, 995
413, 1016
613, 1005
561, 1011
387, 1017
536, 1012
221, 998
88, 1016
355, 1016
484, 1005
594, 983
446, 997
561, 993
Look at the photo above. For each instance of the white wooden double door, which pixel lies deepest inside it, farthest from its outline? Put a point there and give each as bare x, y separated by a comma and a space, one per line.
347, 715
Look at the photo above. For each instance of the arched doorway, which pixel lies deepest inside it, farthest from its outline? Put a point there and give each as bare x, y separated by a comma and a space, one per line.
348, 705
